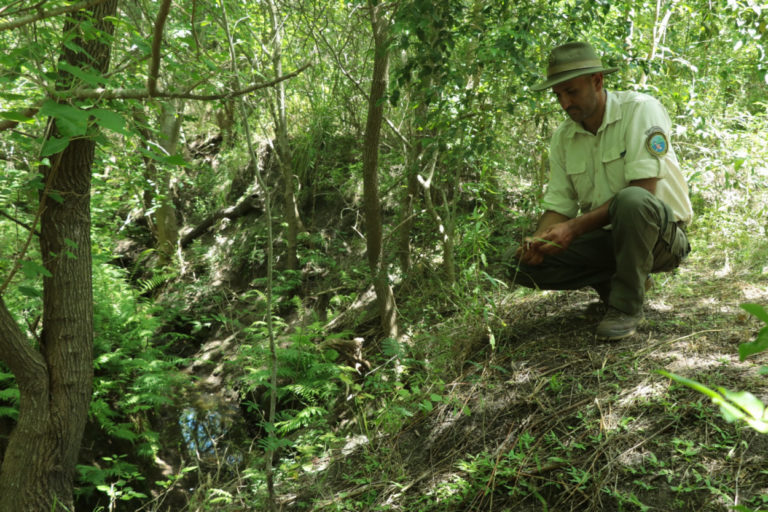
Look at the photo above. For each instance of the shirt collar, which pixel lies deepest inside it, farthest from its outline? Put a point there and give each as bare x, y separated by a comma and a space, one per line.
612, 110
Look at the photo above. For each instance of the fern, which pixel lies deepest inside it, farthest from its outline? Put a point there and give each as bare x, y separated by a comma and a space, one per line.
147, 286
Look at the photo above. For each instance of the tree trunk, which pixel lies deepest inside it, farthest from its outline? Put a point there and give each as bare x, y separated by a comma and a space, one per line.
165, 216
372, 206
163, 224
55, 382
283, 149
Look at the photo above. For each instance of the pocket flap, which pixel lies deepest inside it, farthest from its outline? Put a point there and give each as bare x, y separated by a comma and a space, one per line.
575, 166
613, 154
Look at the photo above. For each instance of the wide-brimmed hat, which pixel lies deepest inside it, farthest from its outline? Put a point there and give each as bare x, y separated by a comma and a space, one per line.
569, 61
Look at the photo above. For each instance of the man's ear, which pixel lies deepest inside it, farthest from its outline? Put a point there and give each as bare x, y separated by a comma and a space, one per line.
597, 81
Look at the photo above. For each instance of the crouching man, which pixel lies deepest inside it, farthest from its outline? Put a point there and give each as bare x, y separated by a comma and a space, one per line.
616, 204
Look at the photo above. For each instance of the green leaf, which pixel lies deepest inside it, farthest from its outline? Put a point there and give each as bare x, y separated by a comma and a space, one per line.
88, 77
13, 96
756, 310
757, 424
110, 120
16, 116
9, 412
54, 145
28, 291
71, 121
742, 508
747, 401
55, 196
151, 155
392, 348
11, 394
175, 160
730, 412
32, 269
757, 346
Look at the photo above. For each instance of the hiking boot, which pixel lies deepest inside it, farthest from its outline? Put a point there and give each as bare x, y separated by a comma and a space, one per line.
617, 325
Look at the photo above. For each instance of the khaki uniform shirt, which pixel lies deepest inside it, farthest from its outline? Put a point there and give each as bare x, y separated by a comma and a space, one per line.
587, 170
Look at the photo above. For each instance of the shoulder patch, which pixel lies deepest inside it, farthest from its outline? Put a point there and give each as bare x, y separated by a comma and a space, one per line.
656, 143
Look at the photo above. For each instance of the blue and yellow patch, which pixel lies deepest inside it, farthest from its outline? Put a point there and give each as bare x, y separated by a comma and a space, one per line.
657, 143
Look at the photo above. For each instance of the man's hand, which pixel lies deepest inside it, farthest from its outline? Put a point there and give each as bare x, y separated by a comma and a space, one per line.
528, 254
555, 239
552, 240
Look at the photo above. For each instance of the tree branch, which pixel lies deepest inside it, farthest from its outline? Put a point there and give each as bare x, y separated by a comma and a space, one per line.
42, 15
25, 362
20, 223
143, 94
9, 125
157, 39
140, 94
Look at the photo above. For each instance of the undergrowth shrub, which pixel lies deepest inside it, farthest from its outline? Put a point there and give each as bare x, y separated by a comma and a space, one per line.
135, 380
309, 384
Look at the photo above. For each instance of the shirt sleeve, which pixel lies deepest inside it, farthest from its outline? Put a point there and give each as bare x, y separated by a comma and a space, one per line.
648, 119
560, 196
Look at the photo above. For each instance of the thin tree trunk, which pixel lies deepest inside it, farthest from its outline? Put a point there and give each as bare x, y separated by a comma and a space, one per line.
169, 123
659, 32
273, 362
371, 203
414, 154
284, 154
38, 469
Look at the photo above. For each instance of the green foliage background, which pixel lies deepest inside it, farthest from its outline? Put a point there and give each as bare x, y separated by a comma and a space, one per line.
459, 100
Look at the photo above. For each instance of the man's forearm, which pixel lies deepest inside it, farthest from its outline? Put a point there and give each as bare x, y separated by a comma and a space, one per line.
549, 218
590, 221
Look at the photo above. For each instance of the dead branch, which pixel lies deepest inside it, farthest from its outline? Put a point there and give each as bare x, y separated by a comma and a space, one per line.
245, 206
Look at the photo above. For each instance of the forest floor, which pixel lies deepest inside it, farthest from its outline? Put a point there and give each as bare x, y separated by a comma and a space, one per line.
546, 417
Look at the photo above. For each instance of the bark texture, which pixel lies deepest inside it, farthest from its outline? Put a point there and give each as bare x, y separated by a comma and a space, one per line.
372, 205
55, 381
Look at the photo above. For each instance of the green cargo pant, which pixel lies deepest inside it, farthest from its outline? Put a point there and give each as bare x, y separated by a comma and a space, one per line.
644, 239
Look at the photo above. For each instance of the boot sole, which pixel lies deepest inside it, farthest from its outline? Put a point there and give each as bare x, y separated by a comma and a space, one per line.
616, 337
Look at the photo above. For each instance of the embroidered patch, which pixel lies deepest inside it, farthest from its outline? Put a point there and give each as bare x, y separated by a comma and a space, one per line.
657, 143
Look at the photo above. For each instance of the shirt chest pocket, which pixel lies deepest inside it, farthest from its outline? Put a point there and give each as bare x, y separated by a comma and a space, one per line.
582, 181
613, 167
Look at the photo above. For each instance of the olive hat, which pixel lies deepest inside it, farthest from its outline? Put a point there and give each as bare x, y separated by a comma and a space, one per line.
569, 61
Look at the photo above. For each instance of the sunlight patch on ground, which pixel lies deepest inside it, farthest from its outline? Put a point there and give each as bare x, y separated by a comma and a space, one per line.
642, 393
353, 443
753, 292
689, 361
660, 305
